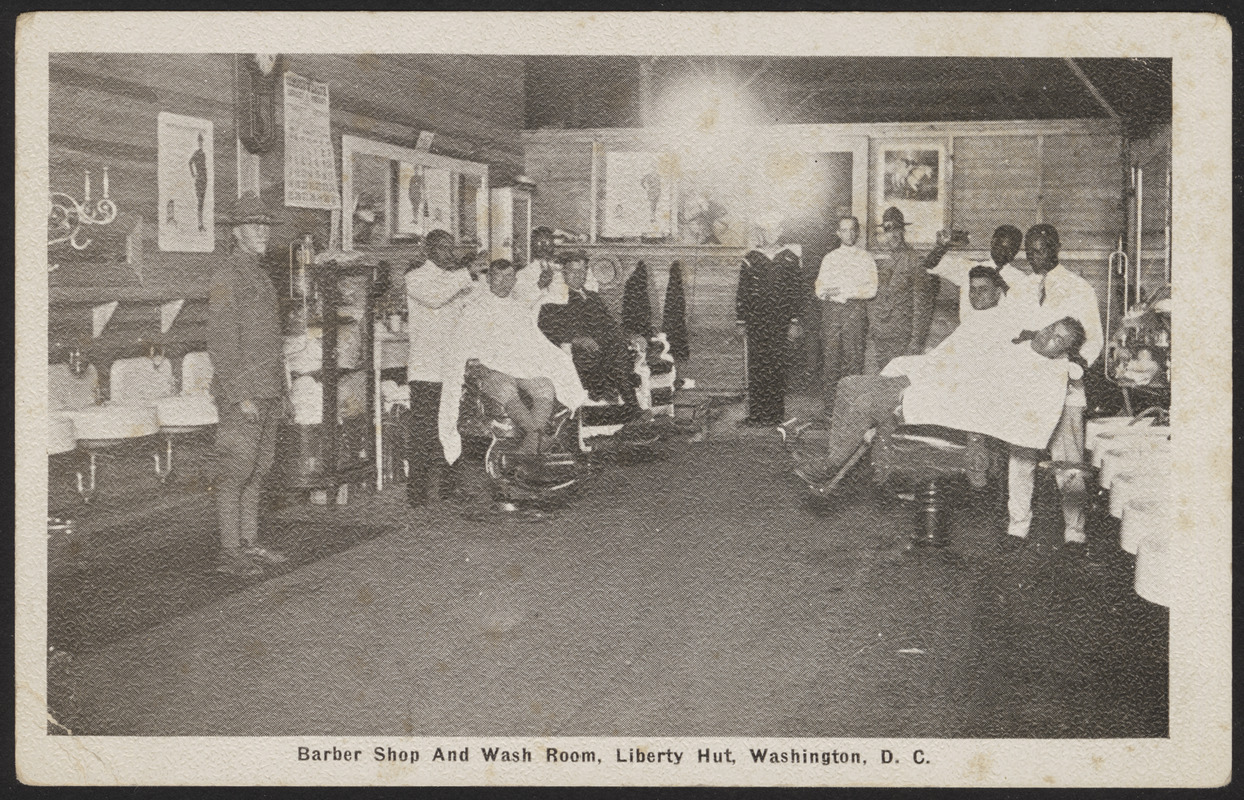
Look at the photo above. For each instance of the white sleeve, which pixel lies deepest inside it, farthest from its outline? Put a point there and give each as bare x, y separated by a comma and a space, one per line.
822, 277
869, 289
953, 268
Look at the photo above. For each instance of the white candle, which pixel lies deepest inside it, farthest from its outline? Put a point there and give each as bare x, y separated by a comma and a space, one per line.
79, 483
105, 183
87, 194
92, 472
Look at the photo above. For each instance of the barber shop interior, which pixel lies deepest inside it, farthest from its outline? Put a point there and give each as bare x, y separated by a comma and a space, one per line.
608, 396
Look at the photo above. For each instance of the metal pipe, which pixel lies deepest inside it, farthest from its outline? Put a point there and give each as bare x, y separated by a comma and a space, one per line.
377, 409
1117, 263
593, 192
1167, 252
1140, 227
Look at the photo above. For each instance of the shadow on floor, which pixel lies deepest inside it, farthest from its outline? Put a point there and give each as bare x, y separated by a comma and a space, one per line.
148, 573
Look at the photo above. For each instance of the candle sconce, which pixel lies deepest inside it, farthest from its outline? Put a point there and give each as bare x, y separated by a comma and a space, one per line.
67, 217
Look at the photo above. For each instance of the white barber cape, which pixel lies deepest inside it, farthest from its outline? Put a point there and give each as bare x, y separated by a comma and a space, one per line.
498, 333
995, 388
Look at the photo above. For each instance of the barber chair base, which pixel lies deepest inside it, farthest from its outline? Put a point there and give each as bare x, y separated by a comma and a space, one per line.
931, 532
519, 478
929, 456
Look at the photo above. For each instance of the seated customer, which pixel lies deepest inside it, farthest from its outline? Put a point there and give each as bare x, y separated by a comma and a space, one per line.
1011, 391
990, 323
599, 348
515, 361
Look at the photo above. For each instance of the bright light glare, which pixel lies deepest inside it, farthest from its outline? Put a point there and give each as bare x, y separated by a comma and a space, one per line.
704, 109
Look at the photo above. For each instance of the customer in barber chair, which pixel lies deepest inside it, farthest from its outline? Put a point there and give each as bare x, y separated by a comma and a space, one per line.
605, 363
515, 364
1011, 390
990, 320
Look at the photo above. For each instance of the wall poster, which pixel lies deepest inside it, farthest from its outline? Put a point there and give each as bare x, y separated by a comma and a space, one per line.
310, 167
639, 191
911, 177
186, 184
424, 200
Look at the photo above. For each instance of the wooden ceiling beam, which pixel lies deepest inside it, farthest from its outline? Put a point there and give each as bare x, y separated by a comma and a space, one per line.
1088, 84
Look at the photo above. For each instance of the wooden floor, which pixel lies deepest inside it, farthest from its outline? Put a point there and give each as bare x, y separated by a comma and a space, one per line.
693, 596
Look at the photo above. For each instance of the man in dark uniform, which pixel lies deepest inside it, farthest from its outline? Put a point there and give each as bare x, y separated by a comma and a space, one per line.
768, 300
248, 362
902, 310
598, 345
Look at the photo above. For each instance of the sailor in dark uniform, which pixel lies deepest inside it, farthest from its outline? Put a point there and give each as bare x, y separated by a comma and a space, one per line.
767, 304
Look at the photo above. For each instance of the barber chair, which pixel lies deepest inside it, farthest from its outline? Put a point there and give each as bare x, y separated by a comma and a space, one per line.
656, 381
927, 457
516, 477
930, 457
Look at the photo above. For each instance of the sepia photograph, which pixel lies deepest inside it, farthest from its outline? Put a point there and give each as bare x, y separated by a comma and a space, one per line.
422, 409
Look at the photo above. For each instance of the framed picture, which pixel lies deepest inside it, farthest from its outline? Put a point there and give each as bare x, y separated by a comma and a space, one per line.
639, 195
186, 184
912, 178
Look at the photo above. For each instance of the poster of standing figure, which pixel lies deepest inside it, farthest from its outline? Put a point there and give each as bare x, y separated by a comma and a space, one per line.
438, 204
186, 184
911, 179
411, 200
424, 199
638, 195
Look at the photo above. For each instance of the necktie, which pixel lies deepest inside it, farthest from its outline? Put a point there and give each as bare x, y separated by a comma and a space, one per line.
1041, 296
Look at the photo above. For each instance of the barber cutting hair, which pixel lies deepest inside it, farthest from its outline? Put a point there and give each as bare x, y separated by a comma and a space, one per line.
1060, 294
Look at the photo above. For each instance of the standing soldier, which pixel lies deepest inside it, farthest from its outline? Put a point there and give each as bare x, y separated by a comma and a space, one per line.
900, 314
248, 363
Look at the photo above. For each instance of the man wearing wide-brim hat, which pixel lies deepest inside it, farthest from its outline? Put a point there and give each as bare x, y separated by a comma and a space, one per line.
248, 383
900, 313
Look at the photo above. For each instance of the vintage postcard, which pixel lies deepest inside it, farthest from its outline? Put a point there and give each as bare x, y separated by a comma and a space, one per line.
623, 399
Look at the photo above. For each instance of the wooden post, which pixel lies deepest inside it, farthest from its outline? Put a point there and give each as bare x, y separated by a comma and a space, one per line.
645, 92
593, 200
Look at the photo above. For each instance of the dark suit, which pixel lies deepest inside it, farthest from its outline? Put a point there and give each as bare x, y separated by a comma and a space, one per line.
768, 299
607, 373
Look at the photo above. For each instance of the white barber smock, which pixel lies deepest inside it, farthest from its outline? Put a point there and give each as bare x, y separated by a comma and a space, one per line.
433, 308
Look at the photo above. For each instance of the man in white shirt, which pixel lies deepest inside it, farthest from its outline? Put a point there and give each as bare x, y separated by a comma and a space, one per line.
1061, 293
1022, 285
846, 282
435, 294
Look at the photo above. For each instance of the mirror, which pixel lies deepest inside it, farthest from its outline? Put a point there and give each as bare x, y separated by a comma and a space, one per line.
397, 195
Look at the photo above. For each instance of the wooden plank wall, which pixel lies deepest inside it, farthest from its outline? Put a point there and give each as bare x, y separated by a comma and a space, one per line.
1068, 173
710, 278
1153, 155
1071, 174
103, 109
